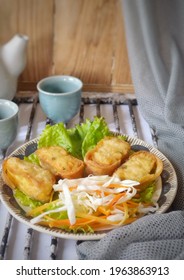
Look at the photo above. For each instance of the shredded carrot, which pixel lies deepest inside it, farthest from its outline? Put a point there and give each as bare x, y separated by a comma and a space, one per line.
132, 204
79, 221
126, 215
116, 198
120, 207
96, 226
101, 219
100, 227
41, 208
104, 210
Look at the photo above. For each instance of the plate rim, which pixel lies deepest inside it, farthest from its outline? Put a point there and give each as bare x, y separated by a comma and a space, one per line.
16, 213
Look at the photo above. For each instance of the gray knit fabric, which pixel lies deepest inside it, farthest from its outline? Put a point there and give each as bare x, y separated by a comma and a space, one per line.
144, 239
155, 40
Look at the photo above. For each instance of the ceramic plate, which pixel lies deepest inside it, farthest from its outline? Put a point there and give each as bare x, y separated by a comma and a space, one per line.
168, 180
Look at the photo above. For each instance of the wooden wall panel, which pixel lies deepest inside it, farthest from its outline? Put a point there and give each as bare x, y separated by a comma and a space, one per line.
90, 44
8, 19
121, 71
87, 45
35, 18
84, 38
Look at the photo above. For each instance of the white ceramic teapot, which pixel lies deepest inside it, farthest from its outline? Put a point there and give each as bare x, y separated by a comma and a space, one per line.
12, 63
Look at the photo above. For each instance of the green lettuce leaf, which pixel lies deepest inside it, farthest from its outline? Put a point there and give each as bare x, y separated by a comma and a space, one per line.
96, 131
59, 215
78, 140
32, 158
56, 135
25, 200
147, 194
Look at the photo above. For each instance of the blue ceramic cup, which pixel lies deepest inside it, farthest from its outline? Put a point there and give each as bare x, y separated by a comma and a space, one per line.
8, 123
60, 97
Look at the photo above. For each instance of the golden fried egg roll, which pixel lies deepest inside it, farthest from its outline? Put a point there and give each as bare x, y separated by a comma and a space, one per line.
107, 156
141, 166
57, 160
30, 178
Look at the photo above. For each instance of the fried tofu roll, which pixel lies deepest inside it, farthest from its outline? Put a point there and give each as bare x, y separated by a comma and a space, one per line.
31, 179
60, 162
141, 166
107, 156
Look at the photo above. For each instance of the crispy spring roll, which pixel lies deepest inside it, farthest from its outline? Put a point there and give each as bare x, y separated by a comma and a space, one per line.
58, 161
107, 156
31, 179
141, 166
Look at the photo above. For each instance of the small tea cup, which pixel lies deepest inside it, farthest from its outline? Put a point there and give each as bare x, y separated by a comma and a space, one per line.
60, 97
8, 123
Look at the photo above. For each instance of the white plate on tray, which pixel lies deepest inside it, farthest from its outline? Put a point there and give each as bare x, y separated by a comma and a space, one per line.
168, 180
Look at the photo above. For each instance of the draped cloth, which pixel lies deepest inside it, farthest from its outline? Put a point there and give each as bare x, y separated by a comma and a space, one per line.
155, 42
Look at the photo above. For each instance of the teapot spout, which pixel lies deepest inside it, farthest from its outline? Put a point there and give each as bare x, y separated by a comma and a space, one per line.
13, 54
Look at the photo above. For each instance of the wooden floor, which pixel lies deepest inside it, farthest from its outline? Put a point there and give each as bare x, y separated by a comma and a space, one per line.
83, 38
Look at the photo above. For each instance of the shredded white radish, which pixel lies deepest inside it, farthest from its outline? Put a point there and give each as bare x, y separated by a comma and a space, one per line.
86, 195
69, 204
116, 217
